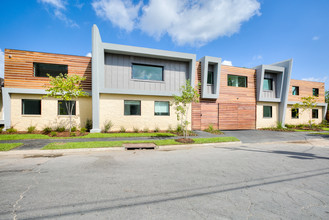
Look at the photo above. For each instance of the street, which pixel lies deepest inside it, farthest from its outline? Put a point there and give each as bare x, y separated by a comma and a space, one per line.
217, 181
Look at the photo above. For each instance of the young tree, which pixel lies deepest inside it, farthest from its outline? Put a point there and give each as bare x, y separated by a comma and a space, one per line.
66, 88
183, 102
308, 103
327, 96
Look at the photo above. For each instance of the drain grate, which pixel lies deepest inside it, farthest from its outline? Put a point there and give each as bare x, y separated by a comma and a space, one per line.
140, 146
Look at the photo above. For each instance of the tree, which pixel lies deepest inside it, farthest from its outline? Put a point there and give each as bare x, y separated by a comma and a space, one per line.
66, 88
308, 103
327, 96
183, 102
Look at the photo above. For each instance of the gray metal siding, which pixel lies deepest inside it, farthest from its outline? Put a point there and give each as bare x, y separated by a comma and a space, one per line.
118, 68
272, 93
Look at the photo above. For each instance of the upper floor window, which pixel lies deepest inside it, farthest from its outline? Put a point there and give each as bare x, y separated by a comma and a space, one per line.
42, 69
268, 84
295, 90
31, 107
147, 72
210, 78
315, 92
237, 81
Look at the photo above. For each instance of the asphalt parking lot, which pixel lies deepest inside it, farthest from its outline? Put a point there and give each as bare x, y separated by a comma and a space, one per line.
222, 181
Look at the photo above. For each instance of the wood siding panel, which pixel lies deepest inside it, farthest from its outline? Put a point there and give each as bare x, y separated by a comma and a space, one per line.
306, 89
19, 68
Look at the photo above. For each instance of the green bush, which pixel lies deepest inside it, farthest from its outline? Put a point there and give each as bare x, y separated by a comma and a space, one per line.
136, 130
1, 130
170, 130
46, 130
11, 130
74, 129
146, 130
289, 126
156, 129
89, 125
279, 125
30, 129
107, 126
122, 129
210, 128
72, 134
53, 133
60, 129
83, 130
179, 128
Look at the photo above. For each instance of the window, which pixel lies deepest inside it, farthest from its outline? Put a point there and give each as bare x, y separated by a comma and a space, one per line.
161, 108
210, 78
267, 111
31, 107
294, 113
147, 72
42, 69
132, 108
237, 81
295, 90
268, 84
315, 92
315, 113
62, 107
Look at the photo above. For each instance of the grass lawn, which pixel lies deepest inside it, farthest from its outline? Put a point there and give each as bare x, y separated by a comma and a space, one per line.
93, 135
325, 129
99, 144
9, 146
301, 130
324, 133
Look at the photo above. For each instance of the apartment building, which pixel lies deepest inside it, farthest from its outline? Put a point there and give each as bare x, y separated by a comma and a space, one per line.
132, 87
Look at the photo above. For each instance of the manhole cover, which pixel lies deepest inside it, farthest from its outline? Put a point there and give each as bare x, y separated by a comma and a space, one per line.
140, 146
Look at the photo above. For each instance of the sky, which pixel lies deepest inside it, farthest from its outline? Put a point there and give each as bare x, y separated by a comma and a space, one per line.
244, 33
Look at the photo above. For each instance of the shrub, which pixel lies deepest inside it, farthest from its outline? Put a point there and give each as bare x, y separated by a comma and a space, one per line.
156, 129
179, 128
122, 129
74, 129
11, 130
83, 130
136, 130
146, 130
1, 130
89, 125
279, 125
107, 126
72, 134
170, 129
290, 126
46, 130
210, 128
53, 133
30, 129
60, 129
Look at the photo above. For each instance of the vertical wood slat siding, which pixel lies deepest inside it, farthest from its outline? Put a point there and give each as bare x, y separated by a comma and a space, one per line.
19, 68
118, 69
306, 89
236, 106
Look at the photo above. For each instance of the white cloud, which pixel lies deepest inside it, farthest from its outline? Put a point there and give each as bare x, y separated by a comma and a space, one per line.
2, 63
227, 63
319, 79
121, 13
185, 21
88, 54
59, 7
315, 38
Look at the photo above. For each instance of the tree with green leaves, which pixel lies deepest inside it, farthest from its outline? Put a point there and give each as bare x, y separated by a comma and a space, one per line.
183, 102
327, 96
66, 88
308, 103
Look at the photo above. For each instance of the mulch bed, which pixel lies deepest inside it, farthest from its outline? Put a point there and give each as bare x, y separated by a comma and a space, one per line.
185, 141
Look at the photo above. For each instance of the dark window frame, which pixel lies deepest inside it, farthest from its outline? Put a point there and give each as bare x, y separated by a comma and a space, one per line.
271, 111
317, 93
23, 104
35, 66
317, 113
150, 65
295, 111
297, 89
245, 77
124, 107
168, 108
271, 89
74, 108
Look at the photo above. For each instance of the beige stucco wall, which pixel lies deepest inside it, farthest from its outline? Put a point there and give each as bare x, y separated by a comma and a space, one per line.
49, 113
112, 108
304, 116
262, 122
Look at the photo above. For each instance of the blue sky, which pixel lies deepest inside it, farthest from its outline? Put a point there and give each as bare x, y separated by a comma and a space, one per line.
246, 33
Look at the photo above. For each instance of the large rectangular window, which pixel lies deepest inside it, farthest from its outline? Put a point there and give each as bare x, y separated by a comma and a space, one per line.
295, 90
267, 111
65, 106
268, 84
315, 92
132, 107
315, 113
42, 69
147, 72
237, 81
31, 107
210, 78
295, 113
161, 108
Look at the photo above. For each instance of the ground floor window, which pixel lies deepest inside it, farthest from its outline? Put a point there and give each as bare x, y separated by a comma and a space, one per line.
132, 107
267, 111
64, 106
295, 113
31, 107
315, 113
161, 108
